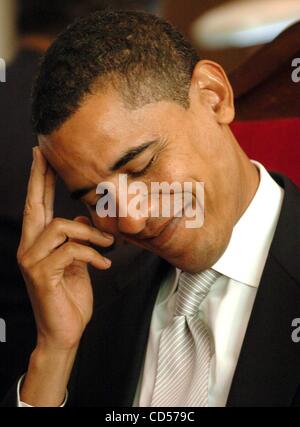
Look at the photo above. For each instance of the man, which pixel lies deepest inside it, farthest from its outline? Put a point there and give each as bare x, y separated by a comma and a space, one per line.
123, 93
38, 22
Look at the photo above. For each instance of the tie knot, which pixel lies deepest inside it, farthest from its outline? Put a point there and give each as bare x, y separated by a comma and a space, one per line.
192, 290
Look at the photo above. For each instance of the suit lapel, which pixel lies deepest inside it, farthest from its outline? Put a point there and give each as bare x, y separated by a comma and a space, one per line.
268, 369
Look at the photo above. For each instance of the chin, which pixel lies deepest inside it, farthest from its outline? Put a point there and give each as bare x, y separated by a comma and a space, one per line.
189, 264
197, 254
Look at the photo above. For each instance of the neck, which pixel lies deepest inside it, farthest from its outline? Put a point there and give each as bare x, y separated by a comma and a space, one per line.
36, 42
249, 179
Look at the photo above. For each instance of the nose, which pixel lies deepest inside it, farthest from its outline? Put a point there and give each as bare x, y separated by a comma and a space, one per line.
126, 225
132, 220
129, 207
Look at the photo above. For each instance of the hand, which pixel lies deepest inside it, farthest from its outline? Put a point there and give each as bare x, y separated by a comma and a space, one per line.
53, 256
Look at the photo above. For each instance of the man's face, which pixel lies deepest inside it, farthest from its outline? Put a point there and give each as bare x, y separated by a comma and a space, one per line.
160, 142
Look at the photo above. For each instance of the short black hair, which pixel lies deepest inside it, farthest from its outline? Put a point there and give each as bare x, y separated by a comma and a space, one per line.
144, 57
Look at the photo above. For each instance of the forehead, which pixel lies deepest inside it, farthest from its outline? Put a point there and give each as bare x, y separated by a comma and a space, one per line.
101, 130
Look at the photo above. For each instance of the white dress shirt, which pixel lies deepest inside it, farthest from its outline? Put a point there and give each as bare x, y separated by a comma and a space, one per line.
227, 308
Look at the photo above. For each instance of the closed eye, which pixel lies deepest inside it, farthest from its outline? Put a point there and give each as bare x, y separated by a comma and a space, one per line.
137, 174
134, 174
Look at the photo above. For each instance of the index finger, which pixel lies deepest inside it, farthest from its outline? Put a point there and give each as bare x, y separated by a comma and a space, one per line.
34, 211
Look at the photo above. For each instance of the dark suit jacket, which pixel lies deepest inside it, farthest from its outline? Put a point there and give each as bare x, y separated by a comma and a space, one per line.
112, 350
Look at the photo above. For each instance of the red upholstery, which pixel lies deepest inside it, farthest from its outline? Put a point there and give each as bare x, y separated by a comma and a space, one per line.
274, 143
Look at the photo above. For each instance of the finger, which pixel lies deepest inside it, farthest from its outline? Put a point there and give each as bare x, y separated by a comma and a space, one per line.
49, 194
60, 230
82, 220
69, 253
34, 211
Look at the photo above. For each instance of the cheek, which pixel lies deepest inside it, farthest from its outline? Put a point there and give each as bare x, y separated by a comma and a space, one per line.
172, 165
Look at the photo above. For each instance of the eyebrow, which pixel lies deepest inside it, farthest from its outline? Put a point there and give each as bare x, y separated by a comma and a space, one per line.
122, 161
131, 154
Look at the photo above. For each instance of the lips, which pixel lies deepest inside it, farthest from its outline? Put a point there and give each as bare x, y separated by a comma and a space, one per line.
154, 240
165, 235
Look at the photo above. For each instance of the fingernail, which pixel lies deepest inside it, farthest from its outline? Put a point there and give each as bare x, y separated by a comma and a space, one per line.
107, 236
107, 262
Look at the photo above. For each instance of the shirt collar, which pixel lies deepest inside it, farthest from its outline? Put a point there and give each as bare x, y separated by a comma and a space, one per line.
245, 256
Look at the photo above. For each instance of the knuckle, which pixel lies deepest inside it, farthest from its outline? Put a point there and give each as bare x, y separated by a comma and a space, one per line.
24, 261
58, 224
27, 209
70, 248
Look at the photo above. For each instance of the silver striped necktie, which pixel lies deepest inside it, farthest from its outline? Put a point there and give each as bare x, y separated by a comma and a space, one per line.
185, 350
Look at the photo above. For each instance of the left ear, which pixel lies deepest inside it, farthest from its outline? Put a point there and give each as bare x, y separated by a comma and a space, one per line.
210, 84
